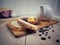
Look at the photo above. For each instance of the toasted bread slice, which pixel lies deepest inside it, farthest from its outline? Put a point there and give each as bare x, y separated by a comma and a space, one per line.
14, 25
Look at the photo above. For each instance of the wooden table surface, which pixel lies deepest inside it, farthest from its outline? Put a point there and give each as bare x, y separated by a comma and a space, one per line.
7, 38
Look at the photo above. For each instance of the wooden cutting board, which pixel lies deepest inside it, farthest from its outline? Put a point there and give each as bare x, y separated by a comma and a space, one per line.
42, 24
47, 23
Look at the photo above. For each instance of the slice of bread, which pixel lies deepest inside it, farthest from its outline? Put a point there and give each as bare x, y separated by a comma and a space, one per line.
14, 25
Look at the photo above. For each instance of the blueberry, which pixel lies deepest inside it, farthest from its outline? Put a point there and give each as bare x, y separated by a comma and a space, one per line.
43, 38
34, 31
45, 34
52, 30
41, 29
57, 41
49, 37
47, 27
40, 35
42, 32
